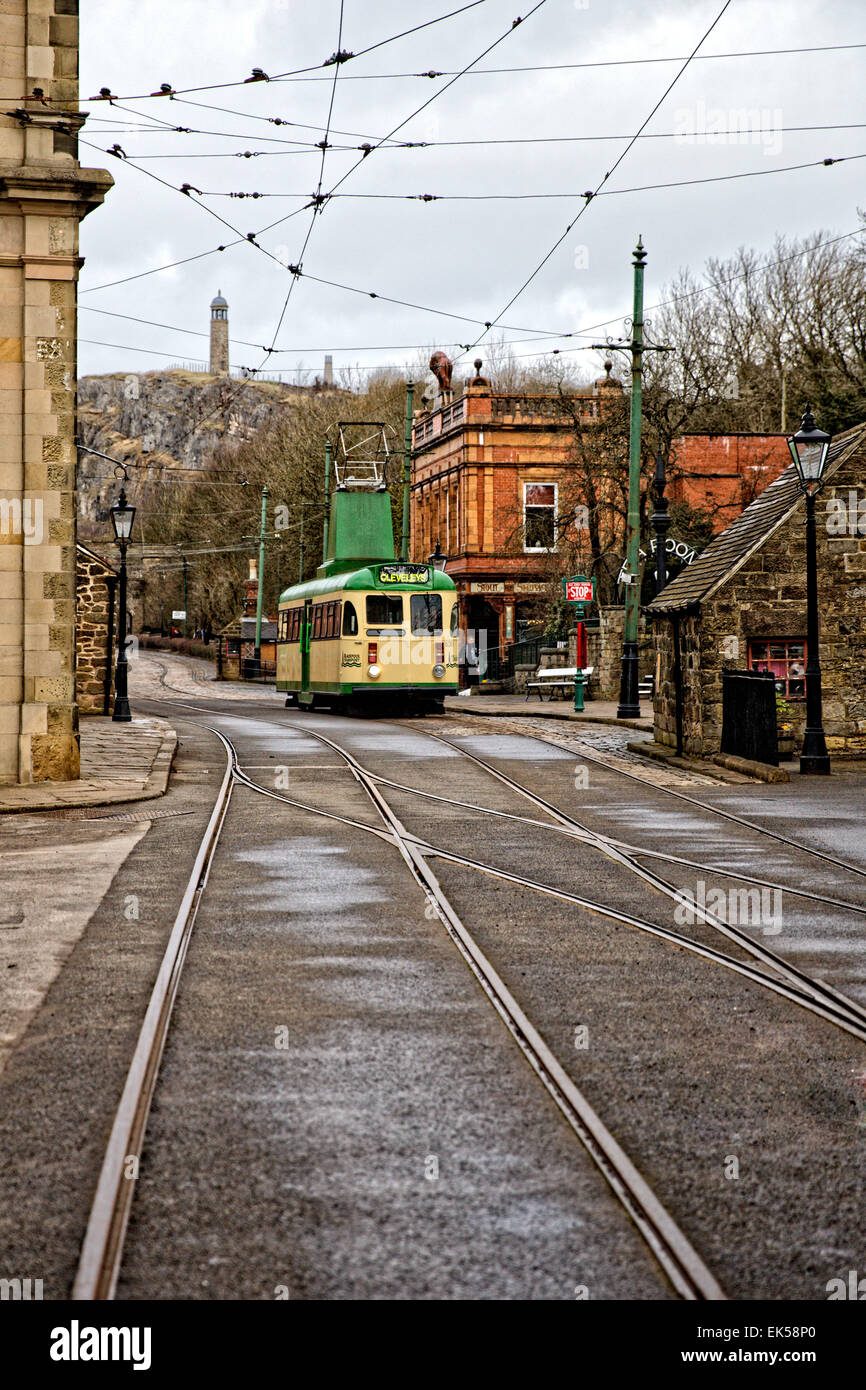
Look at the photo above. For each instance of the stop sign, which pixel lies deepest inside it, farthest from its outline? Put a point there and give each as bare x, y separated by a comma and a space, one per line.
578, 591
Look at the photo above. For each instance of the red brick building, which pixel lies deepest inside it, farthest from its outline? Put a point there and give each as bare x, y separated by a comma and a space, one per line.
488, 473
722, 473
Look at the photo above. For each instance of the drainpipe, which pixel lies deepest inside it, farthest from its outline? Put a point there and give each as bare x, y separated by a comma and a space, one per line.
678, 682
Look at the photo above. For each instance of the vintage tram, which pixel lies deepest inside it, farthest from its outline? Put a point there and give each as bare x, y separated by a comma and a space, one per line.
369, 631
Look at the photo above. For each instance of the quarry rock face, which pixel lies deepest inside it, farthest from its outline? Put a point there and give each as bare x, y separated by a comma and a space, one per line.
158, 422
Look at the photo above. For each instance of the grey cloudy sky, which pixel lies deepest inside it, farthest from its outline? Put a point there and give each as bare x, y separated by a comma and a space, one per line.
468, 257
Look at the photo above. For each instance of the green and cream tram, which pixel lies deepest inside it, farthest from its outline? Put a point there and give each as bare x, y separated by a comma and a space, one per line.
384, 634
369, 630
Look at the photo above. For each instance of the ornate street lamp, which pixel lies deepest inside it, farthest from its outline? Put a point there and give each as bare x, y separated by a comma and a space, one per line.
437, 559
809, 448
122, 517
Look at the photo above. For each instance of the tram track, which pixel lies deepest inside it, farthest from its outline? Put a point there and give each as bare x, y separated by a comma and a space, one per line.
513, 727
102, 1249
809, 993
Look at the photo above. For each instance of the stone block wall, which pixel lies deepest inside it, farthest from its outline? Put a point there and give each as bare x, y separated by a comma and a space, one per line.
93, 582
44, 194
767, 598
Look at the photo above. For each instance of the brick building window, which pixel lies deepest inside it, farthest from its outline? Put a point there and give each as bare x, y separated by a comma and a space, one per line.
539, 516
786, 658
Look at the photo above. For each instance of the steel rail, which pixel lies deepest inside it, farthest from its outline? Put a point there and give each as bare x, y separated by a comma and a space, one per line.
819, 991
588, 836
691, 800
102, 1248
802, 989
839, 1018
682, 1264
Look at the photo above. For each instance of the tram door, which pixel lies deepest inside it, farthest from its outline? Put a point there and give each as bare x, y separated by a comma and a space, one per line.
305, 644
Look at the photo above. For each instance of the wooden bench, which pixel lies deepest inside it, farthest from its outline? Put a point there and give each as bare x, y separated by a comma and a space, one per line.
556, 678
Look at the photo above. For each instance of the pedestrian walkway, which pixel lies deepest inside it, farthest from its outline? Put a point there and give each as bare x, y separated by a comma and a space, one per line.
119, 762
517, 706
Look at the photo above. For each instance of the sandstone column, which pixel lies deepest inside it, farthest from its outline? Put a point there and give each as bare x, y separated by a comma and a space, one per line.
44, 194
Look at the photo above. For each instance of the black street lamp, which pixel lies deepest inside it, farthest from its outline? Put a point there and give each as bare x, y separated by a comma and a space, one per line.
809, 448
122, 517
660, 522
437, 559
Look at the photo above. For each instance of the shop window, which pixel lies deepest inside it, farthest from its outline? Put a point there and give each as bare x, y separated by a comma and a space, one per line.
786, 658
539, 516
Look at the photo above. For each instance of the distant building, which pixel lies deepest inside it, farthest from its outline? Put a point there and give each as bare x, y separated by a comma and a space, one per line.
236, 643
219, 335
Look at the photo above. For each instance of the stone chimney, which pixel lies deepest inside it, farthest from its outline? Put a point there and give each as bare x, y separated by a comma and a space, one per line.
329, 370
251, 591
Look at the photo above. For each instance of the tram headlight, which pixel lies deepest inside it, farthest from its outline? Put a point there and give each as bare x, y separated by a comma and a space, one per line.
438, 671
374, 672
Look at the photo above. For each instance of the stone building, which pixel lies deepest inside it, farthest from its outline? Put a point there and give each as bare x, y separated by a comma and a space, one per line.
742, 605
95, 630
44, 194
219, 335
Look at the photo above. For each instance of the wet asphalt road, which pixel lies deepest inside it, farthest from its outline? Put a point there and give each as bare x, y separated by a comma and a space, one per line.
340, 1112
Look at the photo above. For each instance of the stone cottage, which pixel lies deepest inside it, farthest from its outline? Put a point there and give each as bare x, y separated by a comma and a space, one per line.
742, 605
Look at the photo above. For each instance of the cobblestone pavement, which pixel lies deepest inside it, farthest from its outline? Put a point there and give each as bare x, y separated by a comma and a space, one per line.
607, 743
153, 673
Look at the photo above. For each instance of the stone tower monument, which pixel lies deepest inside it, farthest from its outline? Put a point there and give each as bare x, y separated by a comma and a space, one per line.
219, 335
44, 194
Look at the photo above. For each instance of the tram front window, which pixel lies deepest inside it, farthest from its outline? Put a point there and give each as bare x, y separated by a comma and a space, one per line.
426, 610
384, 610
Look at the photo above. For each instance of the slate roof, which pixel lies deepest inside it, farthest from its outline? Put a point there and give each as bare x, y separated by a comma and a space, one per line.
245, 628
729, 550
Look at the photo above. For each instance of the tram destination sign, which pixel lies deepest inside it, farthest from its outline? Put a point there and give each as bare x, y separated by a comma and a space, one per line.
404, 574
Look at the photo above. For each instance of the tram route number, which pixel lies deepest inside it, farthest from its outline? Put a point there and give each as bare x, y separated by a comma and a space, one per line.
404, 574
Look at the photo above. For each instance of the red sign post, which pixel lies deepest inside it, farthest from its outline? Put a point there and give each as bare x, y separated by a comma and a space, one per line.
579, 591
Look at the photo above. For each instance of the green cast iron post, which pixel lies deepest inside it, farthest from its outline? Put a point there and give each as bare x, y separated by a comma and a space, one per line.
326, 523
629, 703
407, 471
261, 592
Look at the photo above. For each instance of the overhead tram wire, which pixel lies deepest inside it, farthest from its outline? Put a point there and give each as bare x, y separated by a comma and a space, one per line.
528, 197
298, 264
379, 143
687, 137
338, 57
590, 196
585, 331
304, 74
317, 203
